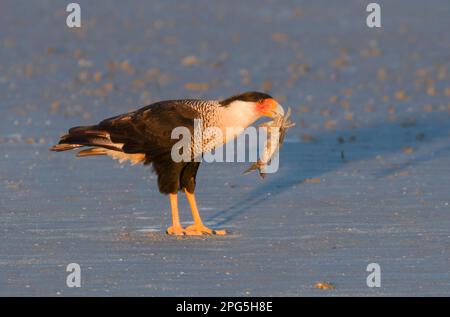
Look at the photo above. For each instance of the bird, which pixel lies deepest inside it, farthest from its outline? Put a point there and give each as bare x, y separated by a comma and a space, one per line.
144, 136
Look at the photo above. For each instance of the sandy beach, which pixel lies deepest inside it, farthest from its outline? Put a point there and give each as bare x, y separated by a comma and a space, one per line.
363, 178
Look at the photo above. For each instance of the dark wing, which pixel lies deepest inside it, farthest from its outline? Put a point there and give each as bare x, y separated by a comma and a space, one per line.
147, 130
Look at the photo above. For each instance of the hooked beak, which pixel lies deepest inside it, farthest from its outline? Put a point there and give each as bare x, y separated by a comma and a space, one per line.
278, 111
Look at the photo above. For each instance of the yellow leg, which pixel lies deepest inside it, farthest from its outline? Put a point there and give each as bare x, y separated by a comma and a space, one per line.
198, 227
176, 228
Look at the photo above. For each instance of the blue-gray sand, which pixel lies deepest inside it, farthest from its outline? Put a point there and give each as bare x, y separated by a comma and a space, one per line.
363, 178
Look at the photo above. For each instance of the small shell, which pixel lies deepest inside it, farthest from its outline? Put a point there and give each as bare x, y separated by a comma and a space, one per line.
324, 285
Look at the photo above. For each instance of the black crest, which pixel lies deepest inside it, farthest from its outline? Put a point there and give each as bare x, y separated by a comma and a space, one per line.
252, 96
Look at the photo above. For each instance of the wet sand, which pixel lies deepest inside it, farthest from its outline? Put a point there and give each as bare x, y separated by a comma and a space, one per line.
364, 175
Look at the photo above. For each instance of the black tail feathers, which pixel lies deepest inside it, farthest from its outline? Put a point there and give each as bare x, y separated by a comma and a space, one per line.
85, 136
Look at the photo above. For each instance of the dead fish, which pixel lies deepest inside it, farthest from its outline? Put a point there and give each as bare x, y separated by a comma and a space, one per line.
271, 146
275, 138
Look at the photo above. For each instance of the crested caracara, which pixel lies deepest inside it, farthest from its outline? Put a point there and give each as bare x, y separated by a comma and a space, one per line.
144, 136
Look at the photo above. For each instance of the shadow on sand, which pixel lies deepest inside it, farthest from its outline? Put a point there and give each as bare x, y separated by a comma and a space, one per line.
332, 150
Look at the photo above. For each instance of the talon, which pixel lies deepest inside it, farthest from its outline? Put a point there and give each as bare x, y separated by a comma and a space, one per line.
193, 232
176, 231
200, 229
220, 232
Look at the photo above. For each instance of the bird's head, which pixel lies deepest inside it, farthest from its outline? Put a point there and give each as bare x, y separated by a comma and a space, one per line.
254, 104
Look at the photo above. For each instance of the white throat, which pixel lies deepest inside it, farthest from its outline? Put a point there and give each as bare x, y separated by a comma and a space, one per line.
237, 116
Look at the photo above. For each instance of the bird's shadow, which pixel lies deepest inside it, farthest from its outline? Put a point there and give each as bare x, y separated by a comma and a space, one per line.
332, 150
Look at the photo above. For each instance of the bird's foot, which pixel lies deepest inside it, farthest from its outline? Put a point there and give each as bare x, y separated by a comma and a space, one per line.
196, 230
176, 231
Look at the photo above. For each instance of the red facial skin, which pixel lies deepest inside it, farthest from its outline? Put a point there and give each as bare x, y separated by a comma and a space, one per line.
266, 107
